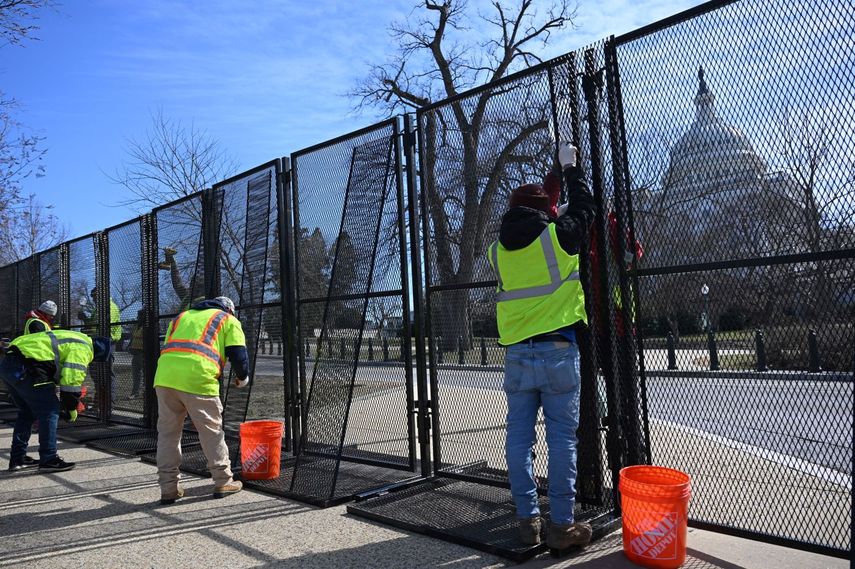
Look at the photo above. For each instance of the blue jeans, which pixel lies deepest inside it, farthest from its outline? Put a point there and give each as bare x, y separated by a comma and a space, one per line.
543, 374
33, 403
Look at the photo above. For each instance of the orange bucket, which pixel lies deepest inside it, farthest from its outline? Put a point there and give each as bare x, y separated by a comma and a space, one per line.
655, 505
260, 449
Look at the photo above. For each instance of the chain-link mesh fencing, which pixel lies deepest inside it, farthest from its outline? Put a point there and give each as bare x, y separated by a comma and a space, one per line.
738, 124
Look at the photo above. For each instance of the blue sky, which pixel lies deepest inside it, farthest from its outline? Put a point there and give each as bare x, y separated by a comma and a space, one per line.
265, 78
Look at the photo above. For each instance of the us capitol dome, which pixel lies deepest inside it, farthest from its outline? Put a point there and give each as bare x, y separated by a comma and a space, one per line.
712, 158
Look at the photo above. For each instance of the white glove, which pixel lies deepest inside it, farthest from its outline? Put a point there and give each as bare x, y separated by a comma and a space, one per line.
566, 155
562, 209
240, 383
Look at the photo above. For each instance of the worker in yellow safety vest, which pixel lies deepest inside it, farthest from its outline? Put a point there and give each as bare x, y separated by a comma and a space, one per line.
90, 327
198, 342
35, 364
540, 306
40, 319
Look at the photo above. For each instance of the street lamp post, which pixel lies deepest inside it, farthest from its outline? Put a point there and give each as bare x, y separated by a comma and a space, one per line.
705, 291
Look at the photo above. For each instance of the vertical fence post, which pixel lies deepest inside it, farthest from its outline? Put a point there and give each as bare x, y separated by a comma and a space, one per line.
342, 349
483, 351
672, 352
440, 354
813, 353
713, 349
385, 349
308, 351
761, 351
370, 350
461, 356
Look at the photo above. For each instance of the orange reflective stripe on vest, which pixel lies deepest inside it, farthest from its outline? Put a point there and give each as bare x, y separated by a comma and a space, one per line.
204, 346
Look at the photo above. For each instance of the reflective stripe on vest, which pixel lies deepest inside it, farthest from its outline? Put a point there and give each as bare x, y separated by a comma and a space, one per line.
555, 280
54, 344
205, 345
30, 321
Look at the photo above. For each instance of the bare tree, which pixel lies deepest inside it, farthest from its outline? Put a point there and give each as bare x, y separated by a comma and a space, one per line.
174, 160
20, 150
18, 20
439, 56
32, 228
817, 192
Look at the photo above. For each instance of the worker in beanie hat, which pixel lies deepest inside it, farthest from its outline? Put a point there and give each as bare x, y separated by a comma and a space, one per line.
40, 319
540, 305
34, 366
187, 382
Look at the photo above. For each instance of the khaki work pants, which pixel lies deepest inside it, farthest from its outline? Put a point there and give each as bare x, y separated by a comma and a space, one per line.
206, 412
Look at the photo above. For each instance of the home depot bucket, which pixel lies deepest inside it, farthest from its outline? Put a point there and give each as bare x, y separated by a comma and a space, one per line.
260, 449
655, 504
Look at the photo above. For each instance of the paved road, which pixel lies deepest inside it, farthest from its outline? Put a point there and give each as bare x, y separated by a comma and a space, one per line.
807, 420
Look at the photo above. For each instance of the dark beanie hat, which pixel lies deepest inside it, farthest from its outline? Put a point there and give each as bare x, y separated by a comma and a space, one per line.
101, 347
530, 195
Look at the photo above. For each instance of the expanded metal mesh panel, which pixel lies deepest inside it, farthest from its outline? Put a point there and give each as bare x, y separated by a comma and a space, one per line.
82, 279
757, 397
50, 279
267, 398
741, 149
133, 443
244, 251
348, 239
8, 299
126, 290
181, 258
737, 128
28, 289
472, 514
466, 183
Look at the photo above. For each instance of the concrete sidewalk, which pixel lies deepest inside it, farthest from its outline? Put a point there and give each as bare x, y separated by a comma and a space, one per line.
105, 513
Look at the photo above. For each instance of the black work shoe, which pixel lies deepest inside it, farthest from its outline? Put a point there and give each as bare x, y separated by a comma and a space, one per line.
27, 461
55, 465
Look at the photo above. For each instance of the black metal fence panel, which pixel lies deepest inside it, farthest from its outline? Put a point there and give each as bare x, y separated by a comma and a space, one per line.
126, 293
737, 122
9, 300
82, 313
466, 184
50, 281
27, 287
247, 213
355, 350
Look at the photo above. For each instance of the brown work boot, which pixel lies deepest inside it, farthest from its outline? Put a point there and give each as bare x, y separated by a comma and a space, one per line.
528, 530
166, 499
232, 487
562, 537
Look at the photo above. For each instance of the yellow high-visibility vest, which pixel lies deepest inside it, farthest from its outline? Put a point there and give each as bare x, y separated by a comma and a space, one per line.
539, 290
193, 357
70, 351
32, 320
